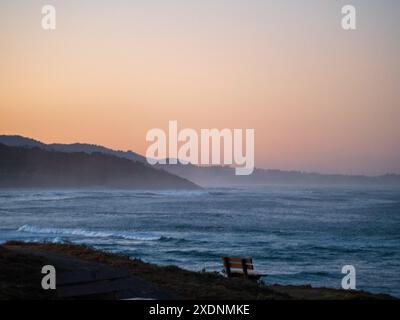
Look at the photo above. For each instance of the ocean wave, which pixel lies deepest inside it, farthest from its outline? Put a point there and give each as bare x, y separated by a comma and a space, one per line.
129, 235
217, 193
49, 240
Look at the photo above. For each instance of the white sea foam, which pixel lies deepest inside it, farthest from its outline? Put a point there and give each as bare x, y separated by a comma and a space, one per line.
129, 235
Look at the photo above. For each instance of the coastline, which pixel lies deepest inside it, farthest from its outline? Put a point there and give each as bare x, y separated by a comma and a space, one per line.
21, 263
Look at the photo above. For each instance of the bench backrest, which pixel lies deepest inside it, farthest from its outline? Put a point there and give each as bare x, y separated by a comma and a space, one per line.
238, 264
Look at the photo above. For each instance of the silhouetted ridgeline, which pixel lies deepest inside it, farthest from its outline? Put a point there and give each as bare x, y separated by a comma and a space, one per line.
35, 167
19, 141
216, 175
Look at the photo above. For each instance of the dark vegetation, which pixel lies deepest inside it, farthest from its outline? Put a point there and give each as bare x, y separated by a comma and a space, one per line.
35, 167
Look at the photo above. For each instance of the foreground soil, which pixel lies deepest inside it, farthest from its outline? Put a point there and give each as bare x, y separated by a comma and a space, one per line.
21, 263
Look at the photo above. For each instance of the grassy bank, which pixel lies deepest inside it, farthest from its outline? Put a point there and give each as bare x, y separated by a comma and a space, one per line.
20, 277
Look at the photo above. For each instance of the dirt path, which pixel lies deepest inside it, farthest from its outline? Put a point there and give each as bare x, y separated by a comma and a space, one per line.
77, 278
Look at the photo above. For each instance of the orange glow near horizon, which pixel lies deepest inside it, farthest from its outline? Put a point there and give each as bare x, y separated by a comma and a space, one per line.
319, 98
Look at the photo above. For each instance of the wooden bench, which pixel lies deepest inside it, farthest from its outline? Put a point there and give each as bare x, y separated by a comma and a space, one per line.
240, 267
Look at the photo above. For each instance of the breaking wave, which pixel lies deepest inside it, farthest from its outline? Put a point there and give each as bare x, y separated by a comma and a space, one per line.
129, 235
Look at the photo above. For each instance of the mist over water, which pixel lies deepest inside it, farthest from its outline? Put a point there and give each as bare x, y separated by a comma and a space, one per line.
295, 235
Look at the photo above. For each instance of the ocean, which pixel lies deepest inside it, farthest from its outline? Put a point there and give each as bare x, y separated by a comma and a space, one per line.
295, 235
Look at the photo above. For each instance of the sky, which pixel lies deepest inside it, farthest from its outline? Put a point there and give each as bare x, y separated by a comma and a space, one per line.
319, 98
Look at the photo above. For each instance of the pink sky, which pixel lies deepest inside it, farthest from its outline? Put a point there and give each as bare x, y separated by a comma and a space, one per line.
319, 98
